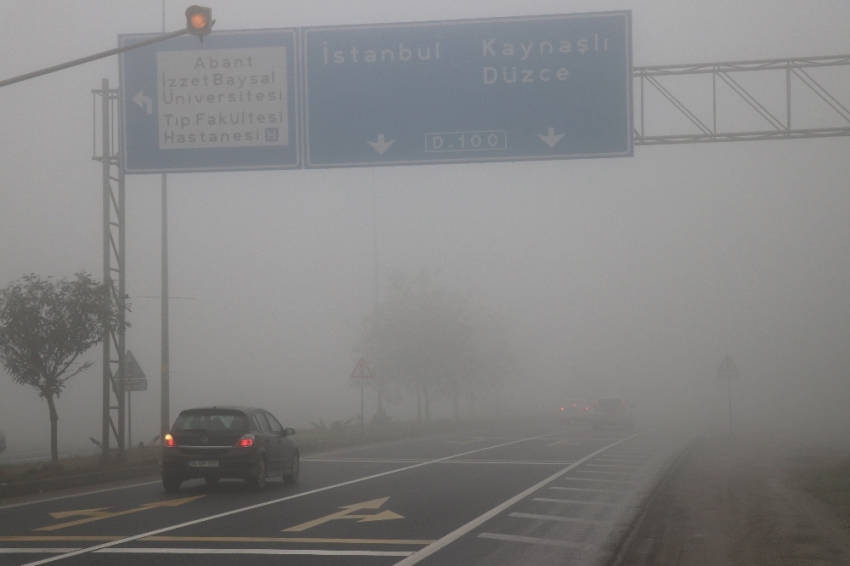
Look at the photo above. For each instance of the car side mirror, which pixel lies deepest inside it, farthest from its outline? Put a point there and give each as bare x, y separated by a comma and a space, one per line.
288, 431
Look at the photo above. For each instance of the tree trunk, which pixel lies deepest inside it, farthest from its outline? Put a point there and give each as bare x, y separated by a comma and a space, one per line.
54, 430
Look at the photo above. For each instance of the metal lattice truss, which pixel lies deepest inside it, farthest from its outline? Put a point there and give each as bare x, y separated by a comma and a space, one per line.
113, 251
742, 101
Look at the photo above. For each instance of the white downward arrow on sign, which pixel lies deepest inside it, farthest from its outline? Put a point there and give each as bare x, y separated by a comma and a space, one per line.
381, 146
144, 102
551, 139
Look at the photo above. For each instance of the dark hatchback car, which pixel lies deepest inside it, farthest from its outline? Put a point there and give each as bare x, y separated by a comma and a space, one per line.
228, 442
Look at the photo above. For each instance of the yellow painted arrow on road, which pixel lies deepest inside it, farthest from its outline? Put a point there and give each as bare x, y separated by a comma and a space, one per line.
346, 513
99, 514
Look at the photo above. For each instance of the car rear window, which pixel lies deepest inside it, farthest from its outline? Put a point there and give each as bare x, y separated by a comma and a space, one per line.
212, 420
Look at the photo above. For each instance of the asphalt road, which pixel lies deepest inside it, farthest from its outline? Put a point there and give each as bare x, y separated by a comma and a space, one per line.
512, 494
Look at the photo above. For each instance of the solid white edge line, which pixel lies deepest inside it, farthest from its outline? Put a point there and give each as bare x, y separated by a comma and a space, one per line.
49, 499
459, 532
274, 551
274, 501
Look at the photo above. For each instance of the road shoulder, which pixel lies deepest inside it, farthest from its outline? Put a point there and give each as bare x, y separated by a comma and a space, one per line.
740, 501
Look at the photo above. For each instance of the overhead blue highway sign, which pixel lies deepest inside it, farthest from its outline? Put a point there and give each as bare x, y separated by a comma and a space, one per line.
508, 89
226, 104
548, 87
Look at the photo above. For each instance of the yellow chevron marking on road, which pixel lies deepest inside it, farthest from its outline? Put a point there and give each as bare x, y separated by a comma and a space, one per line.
346, 513
99, 514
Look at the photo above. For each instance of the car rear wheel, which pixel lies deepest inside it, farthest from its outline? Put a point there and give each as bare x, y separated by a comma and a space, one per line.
292, 476
171, 484
258, 481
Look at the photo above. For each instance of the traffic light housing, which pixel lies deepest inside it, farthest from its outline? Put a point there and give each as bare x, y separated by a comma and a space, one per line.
199, 20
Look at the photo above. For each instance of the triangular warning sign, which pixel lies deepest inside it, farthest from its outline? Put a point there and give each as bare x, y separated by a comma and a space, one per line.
132, 369
361, 370
727, 370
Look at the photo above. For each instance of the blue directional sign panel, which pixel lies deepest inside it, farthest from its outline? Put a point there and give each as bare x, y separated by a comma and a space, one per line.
549, 87
229, 103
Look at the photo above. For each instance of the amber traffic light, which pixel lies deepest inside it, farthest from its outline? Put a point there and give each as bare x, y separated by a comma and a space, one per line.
199, 20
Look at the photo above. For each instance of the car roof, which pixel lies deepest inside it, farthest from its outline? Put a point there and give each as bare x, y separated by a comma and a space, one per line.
227, 408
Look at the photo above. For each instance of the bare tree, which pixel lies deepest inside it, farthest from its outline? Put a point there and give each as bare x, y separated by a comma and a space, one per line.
431, 342
45, 325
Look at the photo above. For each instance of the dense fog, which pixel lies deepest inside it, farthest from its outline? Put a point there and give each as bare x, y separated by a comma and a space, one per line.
627, 277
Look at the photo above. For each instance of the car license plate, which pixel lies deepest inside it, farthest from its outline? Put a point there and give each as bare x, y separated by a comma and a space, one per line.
203, 463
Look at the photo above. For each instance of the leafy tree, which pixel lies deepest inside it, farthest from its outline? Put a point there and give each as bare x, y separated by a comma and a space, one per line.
45, 325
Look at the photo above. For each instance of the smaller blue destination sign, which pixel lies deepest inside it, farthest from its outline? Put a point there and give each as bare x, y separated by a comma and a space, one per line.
546, 87
229, 103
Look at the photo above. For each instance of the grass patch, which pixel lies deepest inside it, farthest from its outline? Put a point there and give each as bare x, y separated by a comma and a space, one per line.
13, 473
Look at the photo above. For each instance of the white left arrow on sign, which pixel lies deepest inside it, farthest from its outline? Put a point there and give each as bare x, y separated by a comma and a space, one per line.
144, 102
381, 146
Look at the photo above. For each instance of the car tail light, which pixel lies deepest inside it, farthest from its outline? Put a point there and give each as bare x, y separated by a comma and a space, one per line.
562, 408
168, 440
587, 408
245, 442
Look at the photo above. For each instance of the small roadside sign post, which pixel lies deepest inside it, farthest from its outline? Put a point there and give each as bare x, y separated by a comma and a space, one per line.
727, 372
134, 380
361, 377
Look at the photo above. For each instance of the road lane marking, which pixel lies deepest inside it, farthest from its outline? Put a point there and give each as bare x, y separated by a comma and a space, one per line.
60, 538
346, 513
567, 441
597, 480
36, 550
273, 551
272, 540
448, 462
287, 498
459, 532
291, 540
558, 518
530, 540
600, 472
50, 499
588, 489
574, 501
99, 514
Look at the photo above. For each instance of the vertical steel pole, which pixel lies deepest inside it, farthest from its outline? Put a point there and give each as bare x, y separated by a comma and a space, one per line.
165, 392
164, 423
378, 383
788, 96
362, 417
122, 313
107, 370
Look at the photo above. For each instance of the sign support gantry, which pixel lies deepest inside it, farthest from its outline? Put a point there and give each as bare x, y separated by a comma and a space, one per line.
730, 77
113, 248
